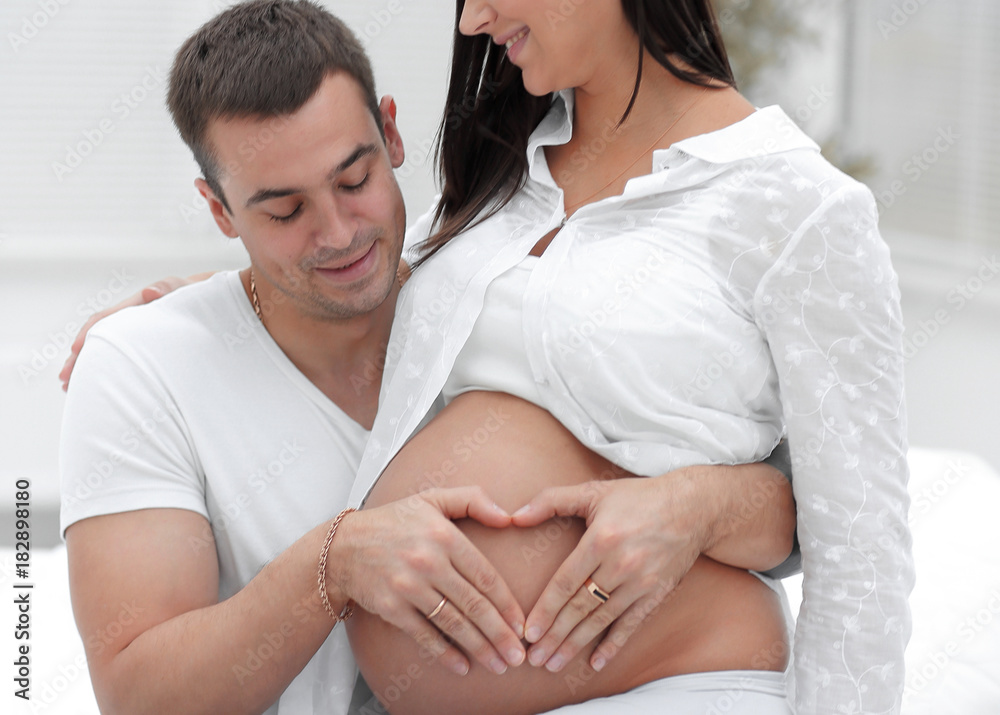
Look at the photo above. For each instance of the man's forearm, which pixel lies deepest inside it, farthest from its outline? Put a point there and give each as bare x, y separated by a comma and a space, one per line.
750, 515
236, 656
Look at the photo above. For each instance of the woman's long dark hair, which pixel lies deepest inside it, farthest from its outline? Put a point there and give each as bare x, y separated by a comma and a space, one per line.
489, 115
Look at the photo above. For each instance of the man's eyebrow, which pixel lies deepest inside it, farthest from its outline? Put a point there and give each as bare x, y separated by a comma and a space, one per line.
266, 194
355, 156
362, 151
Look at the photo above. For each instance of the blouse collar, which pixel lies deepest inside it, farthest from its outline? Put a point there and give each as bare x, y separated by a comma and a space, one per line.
766, 132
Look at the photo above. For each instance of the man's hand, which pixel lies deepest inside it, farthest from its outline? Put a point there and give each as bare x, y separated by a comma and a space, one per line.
643, 535
146, 295
401, 559
636, 548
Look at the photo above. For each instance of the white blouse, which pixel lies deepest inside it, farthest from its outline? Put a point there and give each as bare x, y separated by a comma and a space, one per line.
739, 292
495, 357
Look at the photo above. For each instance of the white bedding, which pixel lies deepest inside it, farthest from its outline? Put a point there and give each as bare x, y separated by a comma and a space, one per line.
953, 661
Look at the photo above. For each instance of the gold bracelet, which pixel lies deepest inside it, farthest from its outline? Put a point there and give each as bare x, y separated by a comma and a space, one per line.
348, 609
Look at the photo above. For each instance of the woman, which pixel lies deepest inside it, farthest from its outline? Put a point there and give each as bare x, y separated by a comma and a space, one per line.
752, 258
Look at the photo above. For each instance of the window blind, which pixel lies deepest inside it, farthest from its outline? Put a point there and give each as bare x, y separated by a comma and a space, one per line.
928, 108
89, 151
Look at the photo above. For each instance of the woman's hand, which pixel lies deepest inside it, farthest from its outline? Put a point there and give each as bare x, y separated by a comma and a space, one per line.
643, 535
146, 295
408, 557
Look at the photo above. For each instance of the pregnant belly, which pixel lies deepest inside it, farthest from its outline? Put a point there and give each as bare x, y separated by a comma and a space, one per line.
718, 618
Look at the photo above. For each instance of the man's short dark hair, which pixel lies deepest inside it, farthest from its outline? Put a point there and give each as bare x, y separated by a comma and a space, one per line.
262, 58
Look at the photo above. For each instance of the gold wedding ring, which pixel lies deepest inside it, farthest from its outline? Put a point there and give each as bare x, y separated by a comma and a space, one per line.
596, 591
437, 609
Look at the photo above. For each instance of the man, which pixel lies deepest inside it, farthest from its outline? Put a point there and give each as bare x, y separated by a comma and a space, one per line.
211, 438
202, 444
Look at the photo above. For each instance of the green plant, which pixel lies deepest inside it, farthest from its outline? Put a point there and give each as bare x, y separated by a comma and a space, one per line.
761, 36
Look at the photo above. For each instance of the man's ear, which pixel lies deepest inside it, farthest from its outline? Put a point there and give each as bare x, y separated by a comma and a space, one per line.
393, 141
222, 217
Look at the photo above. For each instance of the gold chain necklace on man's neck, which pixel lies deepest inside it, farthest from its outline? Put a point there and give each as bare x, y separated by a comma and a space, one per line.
673, 124
253, 297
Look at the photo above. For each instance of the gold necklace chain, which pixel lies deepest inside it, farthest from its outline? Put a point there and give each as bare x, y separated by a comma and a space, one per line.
254, 298
673, 124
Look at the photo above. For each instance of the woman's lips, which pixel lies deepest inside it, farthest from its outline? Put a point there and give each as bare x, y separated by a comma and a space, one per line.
515, 43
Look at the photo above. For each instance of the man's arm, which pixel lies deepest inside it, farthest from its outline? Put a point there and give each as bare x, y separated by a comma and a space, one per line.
781, 459
156, 637
749, 515
179, 650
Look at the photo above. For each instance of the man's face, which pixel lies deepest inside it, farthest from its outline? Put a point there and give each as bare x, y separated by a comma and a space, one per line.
314, 199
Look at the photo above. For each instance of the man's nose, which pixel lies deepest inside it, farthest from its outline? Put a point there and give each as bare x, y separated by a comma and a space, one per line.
335, 225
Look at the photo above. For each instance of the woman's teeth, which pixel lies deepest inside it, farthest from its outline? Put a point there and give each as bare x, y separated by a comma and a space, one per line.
512, 41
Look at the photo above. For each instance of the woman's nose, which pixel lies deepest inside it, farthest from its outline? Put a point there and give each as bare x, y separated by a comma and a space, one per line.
476, 17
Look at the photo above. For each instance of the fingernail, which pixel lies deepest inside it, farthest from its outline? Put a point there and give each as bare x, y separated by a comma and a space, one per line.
498, 666
534, 633
519, 630
598, 663
515, 656
499, 509
460, 668
555, 664
523, 510
537, 657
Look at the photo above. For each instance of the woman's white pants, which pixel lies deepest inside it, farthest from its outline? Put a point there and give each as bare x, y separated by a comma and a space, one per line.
731, 692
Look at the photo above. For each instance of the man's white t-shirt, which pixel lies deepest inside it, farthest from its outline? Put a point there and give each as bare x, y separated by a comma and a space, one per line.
188, 403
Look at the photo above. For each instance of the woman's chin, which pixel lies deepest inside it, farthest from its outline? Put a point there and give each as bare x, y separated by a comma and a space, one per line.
538, 86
